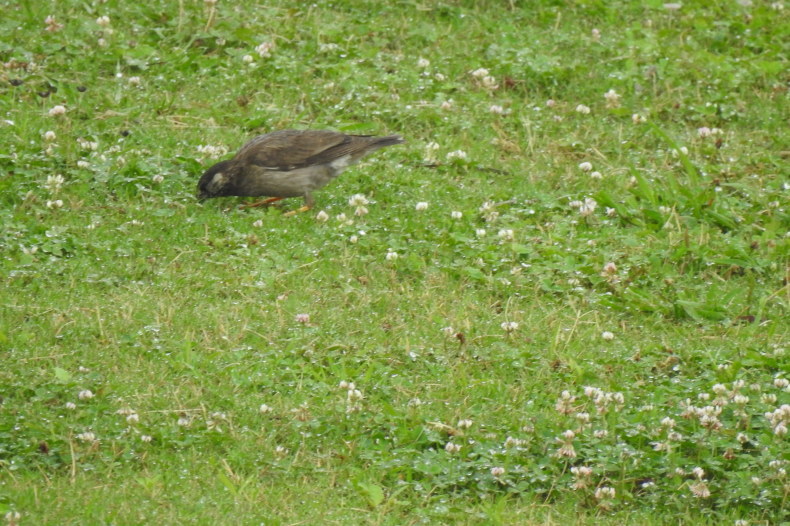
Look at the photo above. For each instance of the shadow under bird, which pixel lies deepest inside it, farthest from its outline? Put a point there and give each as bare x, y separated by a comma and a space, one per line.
288, 163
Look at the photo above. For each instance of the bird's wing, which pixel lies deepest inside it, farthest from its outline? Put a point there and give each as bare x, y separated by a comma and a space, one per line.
291, 149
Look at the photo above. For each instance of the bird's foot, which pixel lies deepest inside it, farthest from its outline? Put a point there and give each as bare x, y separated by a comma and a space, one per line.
304, 208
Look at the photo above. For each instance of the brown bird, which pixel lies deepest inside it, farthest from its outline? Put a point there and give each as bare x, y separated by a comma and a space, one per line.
288, 163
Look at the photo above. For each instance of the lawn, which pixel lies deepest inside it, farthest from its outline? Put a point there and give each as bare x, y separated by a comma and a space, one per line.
563, 300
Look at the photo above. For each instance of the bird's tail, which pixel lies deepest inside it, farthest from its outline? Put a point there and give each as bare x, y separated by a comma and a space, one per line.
389, 140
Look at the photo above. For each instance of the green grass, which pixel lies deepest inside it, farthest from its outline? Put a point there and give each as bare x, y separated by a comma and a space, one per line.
180, 318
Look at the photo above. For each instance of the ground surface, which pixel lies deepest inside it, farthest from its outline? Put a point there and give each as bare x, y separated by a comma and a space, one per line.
586, 322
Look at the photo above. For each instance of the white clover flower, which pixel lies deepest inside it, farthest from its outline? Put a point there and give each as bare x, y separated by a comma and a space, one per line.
353, 239
719, 389
464, 424
361, 211
358, 200
56, 111
588, 206
740, 399
422, 205
451, 447
391, 255
509, 326
489, 211
258, 223
146, 438
700, 489
480, 232
302, 318
423, 63
280, 451
595, 34
480, 73
264, 49
551, 103
585, 166
322, 216
213, 152
611, 212
86, 394
455, 214
496, 109
52, 24
86, 437
447, 104
448, 331
781, 383
247, 59
263, 409
605, 492
184, 421
497, 471
609, 268
103, 21
581, 471
704, 132
612, 98
71, 406
440, 77
583, 109
85, 144
506, 234
50, 136
607, 335
54, 182
457, 154
158, 179
133, 418
489, 82
636, 118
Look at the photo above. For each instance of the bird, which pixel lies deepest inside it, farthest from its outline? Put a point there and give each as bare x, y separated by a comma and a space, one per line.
288, 163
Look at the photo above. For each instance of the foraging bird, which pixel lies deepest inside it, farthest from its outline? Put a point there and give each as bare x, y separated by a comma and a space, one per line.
288, 163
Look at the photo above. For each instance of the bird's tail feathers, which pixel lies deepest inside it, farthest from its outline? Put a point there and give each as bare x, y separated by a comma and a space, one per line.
389, 140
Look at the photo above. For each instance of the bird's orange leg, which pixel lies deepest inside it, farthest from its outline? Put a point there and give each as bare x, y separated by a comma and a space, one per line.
267, 201
304, 208
308, 204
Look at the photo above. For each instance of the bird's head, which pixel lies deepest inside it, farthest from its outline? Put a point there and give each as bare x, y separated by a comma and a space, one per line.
215, 182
